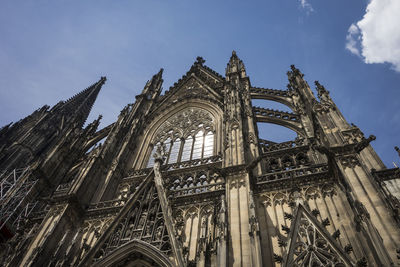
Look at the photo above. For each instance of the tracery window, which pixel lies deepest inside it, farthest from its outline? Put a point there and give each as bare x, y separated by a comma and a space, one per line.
188, 135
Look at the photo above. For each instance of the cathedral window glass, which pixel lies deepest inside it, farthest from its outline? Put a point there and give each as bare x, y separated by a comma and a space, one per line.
173, 155
208, 145
198, 145
168, 144
187, 149
187, 136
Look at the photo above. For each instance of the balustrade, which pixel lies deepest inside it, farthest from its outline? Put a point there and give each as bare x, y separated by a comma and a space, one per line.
268, 146
292, 174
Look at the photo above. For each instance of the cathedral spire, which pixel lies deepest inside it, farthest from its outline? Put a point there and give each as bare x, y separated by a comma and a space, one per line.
80, 105
235, 66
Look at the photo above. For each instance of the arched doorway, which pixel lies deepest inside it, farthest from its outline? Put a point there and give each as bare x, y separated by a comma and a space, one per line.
136, 253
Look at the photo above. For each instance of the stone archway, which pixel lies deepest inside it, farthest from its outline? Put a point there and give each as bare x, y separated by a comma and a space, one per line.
134, 254
136, 259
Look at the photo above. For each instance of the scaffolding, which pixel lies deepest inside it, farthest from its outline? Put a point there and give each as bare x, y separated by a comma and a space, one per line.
17, 195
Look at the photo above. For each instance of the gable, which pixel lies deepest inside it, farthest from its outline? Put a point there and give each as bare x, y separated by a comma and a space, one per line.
193, 86
199, 82
309, 243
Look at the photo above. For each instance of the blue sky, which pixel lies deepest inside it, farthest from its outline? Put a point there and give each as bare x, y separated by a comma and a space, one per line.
50, 50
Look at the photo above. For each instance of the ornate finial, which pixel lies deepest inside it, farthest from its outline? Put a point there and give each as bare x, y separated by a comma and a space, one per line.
103, 79
223, 207
278, 258
97, 121
397, 150
235, 65
362, 262
295, 71
321, 89
200, 61
92, 127
296, 194
319, 86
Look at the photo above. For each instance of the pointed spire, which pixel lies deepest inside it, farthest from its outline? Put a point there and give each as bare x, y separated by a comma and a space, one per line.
92, 127
295, 71
299, 84
80, 105
320, 88
153, 87
323, 94
158, 77
292, 75
235, 65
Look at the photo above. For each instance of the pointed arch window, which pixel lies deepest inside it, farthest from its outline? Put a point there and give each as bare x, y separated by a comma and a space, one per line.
187, 136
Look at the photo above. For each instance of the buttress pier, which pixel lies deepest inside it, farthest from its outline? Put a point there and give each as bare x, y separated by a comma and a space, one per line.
184, 179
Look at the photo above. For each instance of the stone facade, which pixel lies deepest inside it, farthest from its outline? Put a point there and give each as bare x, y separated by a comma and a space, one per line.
183, 179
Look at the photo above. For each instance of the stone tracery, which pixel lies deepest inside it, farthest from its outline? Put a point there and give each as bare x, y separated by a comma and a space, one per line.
187, 135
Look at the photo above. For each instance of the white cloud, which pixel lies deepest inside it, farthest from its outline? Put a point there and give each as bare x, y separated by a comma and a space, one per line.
352, 39
306, 5
376, 37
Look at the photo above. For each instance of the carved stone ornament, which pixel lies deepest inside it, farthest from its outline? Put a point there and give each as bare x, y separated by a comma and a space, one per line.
195, 183
361, 216
238, 182
191, 87
161, 152
248, 111
352, 136
297, 103
254, 226
364, 143
252, 138
323, 94
265, 201
322, 107
350, 161
328, 190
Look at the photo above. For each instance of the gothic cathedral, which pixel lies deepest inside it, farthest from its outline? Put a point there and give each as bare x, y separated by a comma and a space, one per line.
184, 179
